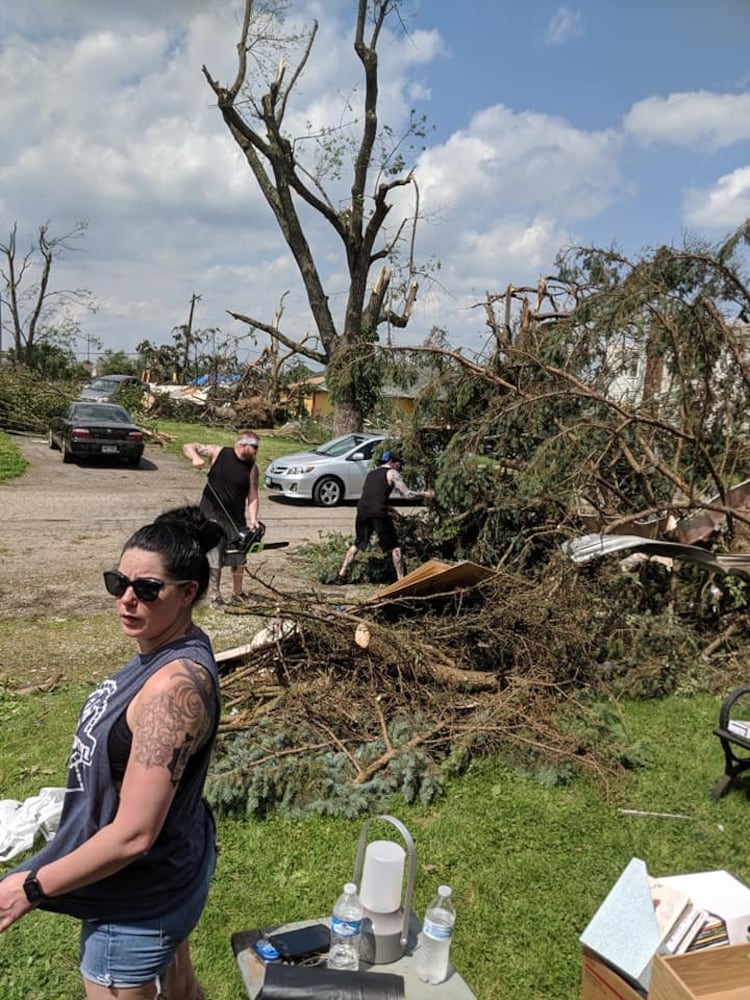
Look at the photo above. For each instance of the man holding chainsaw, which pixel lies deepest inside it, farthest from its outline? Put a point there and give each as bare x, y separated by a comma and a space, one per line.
230, 497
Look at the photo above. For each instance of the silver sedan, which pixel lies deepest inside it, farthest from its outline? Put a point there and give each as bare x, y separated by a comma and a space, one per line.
328, 475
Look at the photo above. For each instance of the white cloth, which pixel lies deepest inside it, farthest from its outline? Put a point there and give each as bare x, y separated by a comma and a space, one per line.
20, 822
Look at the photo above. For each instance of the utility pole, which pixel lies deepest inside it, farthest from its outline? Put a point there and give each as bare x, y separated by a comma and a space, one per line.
189, 334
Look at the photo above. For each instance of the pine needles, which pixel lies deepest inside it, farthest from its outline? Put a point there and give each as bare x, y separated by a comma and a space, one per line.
323, 722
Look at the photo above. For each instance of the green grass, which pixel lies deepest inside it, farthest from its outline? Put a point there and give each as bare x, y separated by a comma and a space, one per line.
528, 864
12, 462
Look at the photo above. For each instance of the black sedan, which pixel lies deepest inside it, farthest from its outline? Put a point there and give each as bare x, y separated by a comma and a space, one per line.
93, 430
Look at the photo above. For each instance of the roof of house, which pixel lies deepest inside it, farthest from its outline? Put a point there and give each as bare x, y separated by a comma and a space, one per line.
317, 383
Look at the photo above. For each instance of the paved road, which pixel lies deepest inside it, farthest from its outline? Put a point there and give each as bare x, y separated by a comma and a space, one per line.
62, 525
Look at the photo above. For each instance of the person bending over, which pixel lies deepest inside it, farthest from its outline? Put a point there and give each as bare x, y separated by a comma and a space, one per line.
373, 516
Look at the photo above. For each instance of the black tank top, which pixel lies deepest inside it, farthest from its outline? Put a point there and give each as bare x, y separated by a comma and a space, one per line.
159, 880
229, 478
375, 493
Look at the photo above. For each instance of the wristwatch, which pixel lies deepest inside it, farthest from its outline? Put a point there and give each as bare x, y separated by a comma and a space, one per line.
34, 892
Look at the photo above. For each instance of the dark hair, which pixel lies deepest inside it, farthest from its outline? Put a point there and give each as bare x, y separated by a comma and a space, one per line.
182, 537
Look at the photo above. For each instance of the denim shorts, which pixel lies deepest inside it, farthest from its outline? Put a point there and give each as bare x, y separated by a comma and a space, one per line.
125, 955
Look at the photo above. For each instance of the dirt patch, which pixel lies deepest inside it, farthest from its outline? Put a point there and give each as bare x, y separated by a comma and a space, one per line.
62, 525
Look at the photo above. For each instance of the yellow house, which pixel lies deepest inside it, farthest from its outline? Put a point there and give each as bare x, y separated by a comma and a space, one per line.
317, 400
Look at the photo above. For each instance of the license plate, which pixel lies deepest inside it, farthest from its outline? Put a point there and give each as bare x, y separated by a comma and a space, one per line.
109, 449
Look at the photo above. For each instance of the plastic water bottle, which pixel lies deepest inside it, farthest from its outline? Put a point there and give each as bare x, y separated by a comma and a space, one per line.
437, 931
346, 930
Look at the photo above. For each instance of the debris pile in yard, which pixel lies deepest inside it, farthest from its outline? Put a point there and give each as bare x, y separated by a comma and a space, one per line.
334, 708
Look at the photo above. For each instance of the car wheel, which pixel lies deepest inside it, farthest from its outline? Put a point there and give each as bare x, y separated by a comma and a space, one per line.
51, 440
67, 456
328, 492
134, 462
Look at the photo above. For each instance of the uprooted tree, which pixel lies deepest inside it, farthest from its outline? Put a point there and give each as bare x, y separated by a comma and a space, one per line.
615, 394
299, 177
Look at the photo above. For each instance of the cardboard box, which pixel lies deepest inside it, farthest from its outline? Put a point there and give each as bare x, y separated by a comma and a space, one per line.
715, 974
600, 982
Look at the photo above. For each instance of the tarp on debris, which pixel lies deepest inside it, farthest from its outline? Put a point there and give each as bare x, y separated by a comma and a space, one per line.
214, 380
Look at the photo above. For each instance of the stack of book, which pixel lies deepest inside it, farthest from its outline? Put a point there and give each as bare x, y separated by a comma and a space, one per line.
683, 926
644, 917
712, 933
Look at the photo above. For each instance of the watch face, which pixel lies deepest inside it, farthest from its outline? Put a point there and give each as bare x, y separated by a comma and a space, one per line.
33, 890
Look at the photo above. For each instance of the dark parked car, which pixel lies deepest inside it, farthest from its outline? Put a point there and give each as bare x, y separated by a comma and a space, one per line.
89, 430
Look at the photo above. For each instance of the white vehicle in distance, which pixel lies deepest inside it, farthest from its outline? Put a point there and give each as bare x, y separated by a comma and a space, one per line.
328, 475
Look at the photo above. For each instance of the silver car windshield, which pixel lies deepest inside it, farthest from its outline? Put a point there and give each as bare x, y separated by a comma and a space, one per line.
104, 384
340, 446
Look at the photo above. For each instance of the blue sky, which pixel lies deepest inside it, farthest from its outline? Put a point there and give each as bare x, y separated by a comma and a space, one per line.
591, 123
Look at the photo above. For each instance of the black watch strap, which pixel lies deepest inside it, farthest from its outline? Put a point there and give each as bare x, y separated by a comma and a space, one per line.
34, 892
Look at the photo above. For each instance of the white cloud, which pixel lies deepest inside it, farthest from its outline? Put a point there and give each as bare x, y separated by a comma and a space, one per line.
564, 25
481, 261
723, 206
700, 120
44, 17
499, 199
114, 123
521, 163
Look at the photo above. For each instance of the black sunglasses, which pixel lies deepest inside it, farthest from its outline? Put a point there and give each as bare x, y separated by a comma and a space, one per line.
145, 588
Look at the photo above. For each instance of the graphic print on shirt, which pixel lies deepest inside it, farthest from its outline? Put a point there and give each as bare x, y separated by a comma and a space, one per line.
84, 741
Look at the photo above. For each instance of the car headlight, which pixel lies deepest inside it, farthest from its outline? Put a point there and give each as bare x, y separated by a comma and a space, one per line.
300, 470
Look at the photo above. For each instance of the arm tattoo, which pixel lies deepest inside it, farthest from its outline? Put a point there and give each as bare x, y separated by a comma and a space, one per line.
175, 723
400, 485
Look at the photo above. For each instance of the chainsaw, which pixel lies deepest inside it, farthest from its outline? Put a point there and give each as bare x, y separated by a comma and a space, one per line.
246, 541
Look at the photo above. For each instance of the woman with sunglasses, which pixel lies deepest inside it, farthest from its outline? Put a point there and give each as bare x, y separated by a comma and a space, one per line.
135, 849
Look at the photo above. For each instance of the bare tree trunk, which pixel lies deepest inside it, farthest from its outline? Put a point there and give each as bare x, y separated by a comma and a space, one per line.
29, 297
254, 109
347, 418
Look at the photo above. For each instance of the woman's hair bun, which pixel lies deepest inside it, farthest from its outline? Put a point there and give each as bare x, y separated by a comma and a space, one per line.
207, 534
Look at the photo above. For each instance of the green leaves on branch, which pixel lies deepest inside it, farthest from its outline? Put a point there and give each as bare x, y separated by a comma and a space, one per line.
261, 770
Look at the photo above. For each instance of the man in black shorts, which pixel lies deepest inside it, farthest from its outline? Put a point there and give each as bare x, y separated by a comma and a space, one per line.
373, 517
231, 498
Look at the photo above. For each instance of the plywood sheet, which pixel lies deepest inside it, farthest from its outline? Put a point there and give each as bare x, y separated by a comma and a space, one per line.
435, 577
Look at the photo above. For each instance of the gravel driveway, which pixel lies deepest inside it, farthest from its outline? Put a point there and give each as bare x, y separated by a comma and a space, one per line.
62, 525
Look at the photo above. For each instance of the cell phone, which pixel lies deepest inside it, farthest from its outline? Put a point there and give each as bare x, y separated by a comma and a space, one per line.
305, 941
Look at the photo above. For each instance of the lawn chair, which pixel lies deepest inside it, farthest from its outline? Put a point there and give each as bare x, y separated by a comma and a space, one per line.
734, 735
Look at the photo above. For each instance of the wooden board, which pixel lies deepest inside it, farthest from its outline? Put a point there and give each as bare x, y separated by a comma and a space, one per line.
227, 655
435, 577
716, 974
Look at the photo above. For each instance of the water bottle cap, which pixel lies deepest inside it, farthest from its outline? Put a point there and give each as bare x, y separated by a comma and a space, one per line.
350, 888
444, 890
